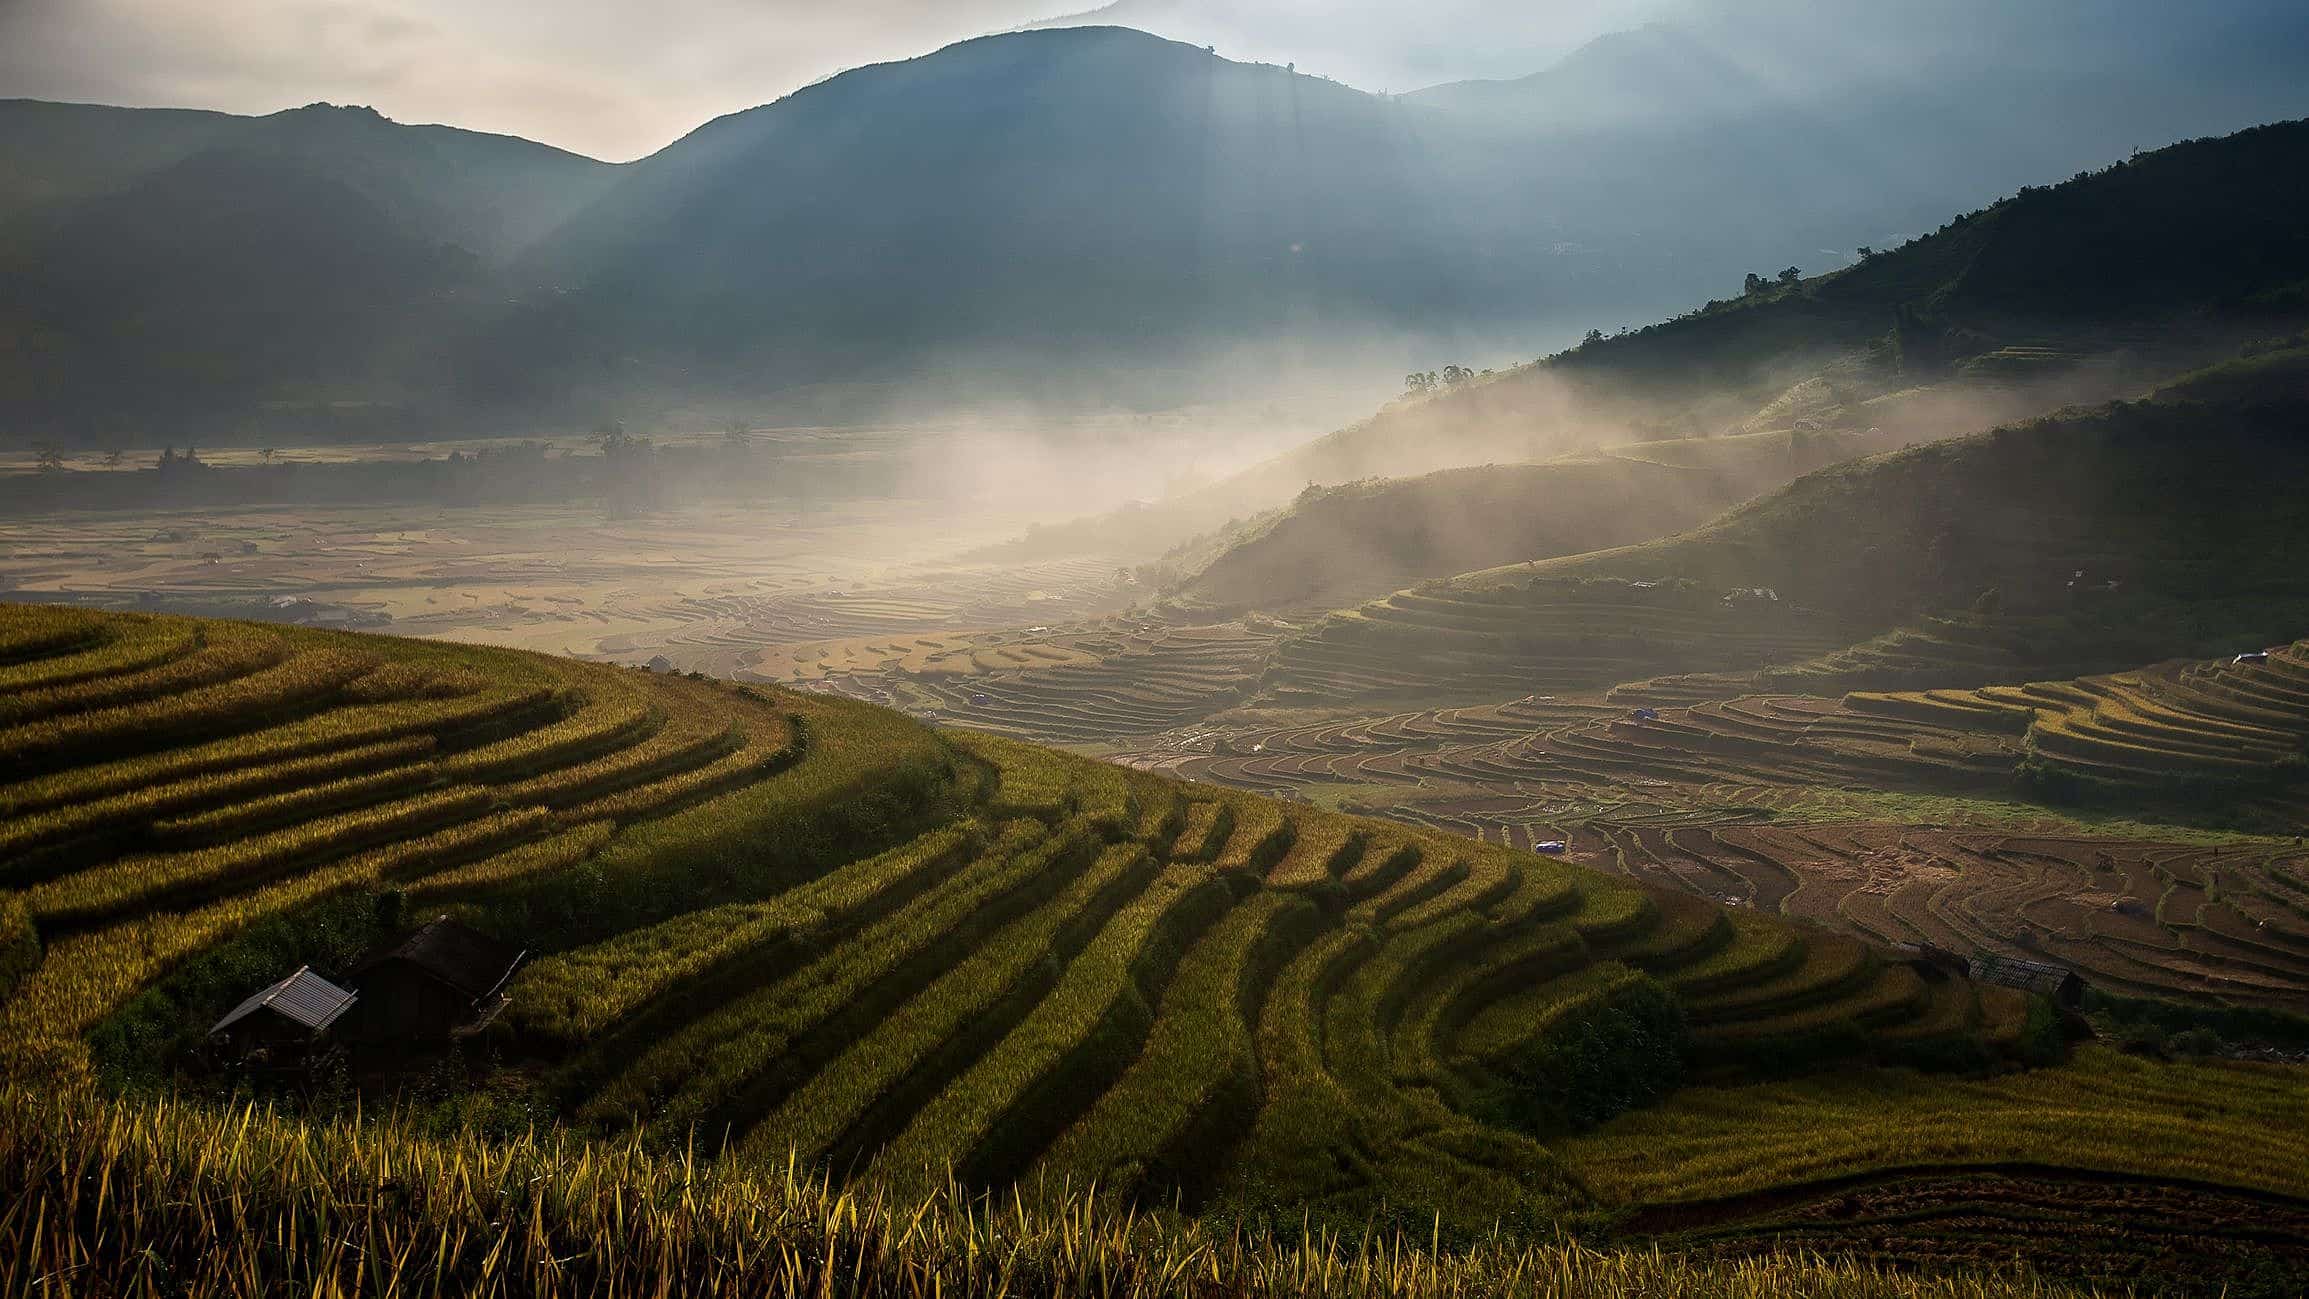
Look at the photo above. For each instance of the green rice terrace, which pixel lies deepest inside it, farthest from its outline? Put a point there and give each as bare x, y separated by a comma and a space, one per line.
815, 945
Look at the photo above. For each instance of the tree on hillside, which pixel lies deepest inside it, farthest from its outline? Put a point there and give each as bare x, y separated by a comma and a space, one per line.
1791, 275
1419, 382
49, 458
1755, 284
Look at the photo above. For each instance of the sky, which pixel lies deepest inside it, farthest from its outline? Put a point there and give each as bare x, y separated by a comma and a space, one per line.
620, 79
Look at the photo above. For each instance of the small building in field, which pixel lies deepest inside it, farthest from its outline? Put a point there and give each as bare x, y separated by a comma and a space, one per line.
447, 978
2061, 985
282, 1021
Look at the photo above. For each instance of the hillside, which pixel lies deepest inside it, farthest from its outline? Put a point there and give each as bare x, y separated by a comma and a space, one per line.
1089, 216
1131, 197
800, 924
1840, 78
2159, 495
491, 194
1352, 542
2100, 538
2095, 288
2157, 251
322, 260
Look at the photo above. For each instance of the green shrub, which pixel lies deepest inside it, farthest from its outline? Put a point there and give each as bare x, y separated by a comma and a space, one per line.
1600, 1057
2196, 1043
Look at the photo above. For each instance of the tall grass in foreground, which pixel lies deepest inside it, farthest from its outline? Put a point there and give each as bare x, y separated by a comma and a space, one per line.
101, 1199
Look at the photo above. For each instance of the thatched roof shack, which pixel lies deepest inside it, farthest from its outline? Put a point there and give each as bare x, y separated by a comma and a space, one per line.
445, 978
291, 1014
2061, 985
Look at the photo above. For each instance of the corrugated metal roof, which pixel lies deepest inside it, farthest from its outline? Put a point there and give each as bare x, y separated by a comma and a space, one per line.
2014, 972
464, 958
303, 998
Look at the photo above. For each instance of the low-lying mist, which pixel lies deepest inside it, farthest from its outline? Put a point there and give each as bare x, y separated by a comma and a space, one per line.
1553, 460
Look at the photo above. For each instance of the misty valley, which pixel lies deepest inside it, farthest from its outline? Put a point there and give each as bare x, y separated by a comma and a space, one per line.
1086, 663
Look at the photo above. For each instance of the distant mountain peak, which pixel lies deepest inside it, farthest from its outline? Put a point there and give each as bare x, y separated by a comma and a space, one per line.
321, 107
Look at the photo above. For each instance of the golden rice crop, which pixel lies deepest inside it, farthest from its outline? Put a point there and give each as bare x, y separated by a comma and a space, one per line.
696, 726
1076, 1041
519, 865
713, 1057
2221, 1123
87, 976
610, 710
1206, 829
1198, 1070
573, 996
150, 881
124, 1198
969, 1001
767, 748
331, 731
251, 815
33, 631
247, 699
1261, 836
221, 653
1322, 848
142, 806
126, 646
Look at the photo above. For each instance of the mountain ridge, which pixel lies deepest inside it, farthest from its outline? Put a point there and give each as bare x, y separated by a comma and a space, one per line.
1062, 215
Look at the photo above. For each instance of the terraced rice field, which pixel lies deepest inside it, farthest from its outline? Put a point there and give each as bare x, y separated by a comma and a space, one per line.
1965, 1172
1933, 651
792, 927
1546, 635
1700, 796
795, 927
2237, 722
156, 809
1116, 979
1091, 683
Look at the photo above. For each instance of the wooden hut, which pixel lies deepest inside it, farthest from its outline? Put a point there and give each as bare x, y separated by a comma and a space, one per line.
282, 1021
2062, 986
446, 978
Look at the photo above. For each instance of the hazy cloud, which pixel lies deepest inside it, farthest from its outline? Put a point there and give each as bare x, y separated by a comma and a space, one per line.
615, 80
621, 79
1390, 45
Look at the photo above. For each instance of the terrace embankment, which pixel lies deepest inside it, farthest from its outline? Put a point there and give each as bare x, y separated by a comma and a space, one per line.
806, 928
